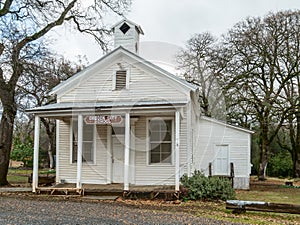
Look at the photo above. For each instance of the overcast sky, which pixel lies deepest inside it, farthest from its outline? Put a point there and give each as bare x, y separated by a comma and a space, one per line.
174, 21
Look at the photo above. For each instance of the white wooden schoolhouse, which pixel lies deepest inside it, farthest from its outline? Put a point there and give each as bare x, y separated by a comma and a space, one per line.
125, 120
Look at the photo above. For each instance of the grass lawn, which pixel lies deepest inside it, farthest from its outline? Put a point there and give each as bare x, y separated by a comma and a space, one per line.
17, 179
19, 176
273, 190
282, 195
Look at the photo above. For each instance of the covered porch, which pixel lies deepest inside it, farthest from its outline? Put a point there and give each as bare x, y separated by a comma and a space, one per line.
166, 192
109, 115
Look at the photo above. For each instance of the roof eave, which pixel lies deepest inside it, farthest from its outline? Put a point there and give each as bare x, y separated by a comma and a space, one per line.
76, 76
160, 70
107, 105
227, 125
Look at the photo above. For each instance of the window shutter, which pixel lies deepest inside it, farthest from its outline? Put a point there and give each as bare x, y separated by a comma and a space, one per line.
120, 79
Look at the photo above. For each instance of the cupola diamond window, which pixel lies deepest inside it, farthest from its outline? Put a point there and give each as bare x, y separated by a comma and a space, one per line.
124, 28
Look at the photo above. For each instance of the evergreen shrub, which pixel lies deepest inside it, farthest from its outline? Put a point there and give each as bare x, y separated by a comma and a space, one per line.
200, 187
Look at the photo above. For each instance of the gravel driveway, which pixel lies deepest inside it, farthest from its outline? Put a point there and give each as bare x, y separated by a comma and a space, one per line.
19, 210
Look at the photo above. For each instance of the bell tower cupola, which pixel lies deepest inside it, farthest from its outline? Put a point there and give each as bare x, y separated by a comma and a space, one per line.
127, 35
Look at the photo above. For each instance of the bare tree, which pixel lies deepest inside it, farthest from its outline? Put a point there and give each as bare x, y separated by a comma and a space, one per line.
37, 80
198, 66
291, 61
258, 69
22, 24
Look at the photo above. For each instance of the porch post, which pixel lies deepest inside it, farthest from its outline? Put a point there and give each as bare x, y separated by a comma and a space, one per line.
189, 139
177, 144
132, 151
109, 155
35, 174
57, 152
126, 152
79, 151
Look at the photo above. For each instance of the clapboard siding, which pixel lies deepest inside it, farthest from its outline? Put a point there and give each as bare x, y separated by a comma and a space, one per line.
67, 171
142, 86
155, 174
183, 143
94, 173
209, 134
97, 173
146, 174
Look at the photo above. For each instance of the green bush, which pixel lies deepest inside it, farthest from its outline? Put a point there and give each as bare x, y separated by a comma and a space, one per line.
280, 165
200, 187
23, 151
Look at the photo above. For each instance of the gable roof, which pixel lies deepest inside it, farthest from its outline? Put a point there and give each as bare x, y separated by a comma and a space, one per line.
209, 119
65, 85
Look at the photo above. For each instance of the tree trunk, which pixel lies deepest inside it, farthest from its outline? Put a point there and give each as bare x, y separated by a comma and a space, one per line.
296, 151
6, 137
262, 170
50, 130
297, 165
50, 153
263, 158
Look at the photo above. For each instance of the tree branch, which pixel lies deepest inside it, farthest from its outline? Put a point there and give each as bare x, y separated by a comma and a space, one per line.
48, 27
16, 52
6, 7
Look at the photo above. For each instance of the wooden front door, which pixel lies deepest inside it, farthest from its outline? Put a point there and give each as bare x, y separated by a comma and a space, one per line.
118, 158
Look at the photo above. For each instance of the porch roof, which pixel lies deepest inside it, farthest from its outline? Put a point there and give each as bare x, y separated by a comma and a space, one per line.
98, 106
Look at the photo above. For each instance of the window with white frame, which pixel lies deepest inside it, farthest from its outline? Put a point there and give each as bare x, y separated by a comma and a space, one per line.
120, 80
87, 142
160, 141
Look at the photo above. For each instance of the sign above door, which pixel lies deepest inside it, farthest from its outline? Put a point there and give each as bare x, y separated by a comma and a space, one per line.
103, 119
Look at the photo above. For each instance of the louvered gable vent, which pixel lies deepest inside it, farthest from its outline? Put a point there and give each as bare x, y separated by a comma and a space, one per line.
120, 79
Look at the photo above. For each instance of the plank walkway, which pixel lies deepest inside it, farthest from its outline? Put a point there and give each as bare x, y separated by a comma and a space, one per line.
15, 189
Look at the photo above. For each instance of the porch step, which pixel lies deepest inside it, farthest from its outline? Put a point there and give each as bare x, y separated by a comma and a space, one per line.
60, 191
99, 193
97, 197
164, 195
